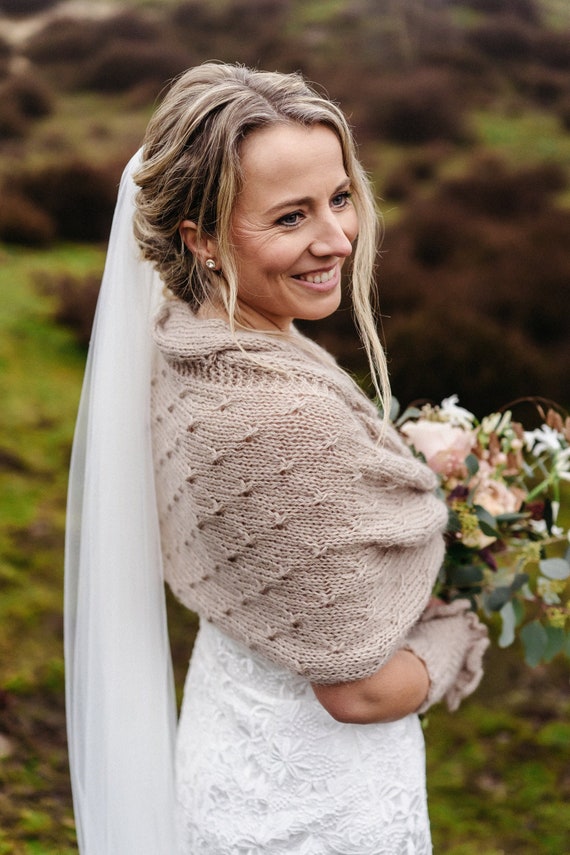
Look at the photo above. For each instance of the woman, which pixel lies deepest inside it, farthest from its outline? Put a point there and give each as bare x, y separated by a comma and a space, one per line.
292, 518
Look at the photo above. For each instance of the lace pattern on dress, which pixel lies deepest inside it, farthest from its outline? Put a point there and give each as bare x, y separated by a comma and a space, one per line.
263, 769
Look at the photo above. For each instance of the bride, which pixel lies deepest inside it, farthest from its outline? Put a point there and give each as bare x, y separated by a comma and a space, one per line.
218, 446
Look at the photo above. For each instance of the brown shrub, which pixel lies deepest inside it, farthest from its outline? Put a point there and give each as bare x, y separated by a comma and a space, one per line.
492, 190
418, 108
76, 300
22, 222
23, 8
33, 97
504, 40
564, 112
5, 56
545, 86
129, 25
65, 40
437, 352
79, 197
122, 65
248, 31
526, 10
553, 49
13, 123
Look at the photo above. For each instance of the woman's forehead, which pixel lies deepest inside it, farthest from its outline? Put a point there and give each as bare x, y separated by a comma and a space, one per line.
287, 161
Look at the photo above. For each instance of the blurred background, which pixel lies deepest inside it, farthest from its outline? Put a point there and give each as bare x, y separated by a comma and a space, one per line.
462, 112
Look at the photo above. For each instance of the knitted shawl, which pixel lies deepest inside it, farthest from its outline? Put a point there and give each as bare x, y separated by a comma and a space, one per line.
286, 519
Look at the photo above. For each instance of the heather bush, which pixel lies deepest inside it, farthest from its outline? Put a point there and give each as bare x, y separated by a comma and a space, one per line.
525, 10
122, 65
545, 86
13, 123
447, 349
22, 8
504, 40
564, 112
79, 197
129, 25
492, 190
5, 57
75, 40
33, 98
22, 222
75, 301
248, 31
414, 109
65, 40
553, 49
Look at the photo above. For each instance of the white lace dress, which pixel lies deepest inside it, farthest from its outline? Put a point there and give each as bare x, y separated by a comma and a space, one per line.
262, 769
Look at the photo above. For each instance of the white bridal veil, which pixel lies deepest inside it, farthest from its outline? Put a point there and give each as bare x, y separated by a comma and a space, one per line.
119, 691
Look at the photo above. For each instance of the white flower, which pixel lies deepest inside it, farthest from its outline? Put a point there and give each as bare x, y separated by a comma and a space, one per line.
542, 439
458, 416
562, 464
496, 422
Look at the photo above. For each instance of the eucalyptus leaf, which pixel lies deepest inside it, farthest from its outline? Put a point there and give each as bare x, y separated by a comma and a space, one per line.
409, 413
535, 641
554, 568
487, 522
472, 464
453, 521
519, 581
556, 640
509, 620
510, 518
465, 575
498, 598
519, 610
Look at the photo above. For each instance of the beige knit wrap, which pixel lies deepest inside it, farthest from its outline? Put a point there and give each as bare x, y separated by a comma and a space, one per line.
284, 519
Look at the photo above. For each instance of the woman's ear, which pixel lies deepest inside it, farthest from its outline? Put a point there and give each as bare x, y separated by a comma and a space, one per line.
204, 247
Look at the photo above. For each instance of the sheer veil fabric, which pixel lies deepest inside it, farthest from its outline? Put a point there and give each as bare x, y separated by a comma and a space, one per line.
119, 690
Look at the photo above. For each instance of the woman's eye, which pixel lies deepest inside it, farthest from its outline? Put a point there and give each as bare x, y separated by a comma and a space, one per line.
292, 219
341, 199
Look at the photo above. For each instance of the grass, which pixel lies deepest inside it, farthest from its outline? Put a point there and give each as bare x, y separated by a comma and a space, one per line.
531, 136
39, 386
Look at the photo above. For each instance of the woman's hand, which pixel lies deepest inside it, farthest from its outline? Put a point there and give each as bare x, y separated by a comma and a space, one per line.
397, 689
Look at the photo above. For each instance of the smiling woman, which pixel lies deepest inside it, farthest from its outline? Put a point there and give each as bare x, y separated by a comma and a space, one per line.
293, 226
234, 452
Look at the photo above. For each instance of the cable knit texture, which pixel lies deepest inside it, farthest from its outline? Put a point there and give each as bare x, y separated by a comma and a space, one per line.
285, 520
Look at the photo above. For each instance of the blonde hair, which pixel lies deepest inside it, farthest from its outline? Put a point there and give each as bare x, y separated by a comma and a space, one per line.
191, 169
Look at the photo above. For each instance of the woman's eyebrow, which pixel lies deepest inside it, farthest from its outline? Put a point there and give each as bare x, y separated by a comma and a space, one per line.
304, 200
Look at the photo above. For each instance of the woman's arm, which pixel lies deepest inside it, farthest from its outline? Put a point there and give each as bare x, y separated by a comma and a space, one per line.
397, 689
441, 659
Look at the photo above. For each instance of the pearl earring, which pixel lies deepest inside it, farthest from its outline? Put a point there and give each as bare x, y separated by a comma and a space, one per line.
210, 264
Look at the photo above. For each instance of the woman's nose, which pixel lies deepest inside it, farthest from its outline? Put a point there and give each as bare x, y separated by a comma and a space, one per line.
331, 238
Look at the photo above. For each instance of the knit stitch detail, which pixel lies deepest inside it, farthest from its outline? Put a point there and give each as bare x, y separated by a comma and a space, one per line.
285, 519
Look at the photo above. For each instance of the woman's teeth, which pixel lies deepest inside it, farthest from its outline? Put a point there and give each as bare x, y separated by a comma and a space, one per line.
318, 278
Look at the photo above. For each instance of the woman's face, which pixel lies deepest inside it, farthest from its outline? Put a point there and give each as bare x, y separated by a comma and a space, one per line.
293, 225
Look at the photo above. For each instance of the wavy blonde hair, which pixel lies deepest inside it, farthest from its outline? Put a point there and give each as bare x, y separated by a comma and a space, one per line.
191, 169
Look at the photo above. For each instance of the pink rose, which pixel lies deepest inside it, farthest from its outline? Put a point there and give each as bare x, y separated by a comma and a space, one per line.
443, 445
496, 497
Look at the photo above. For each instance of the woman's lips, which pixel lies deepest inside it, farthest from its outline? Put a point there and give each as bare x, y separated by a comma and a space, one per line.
323, 280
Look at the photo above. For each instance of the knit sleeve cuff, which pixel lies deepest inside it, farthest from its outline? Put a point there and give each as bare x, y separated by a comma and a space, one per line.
451, 641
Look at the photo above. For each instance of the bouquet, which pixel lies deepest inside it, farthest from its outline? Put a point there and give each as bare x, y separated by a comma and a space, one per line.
503, 486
